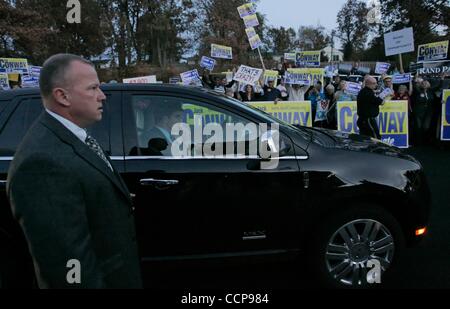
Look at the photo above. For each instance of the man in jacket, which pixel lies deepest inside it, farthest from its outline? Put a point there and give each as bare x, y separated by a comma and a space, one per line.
368, 107
73, 206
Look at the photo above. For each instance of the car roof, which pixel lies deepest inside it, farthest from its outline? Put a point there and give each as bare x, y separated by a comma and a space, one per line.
164, 88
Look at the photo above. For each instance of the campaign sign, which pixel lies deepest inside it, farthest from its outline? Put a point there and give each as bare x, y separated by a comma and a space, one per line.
292, 112
392, 121
353, 88
190, 77
150, 79
220, 51
401, 78
399, 42
255, 42
432, 51
207, 63
247, 75
14, 65
382, 67
445, 127
29, 81
308, 59
4, 81
251, 21
246, 10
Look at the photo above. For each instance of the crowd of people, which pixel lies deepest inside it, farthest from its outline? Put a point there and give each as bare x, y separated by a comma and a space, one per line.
424, 98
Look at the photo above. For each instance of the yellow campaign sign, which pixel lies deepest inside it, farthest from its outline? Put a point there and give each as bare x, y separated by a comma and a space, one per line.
310, 74
14, 65
445, 127
272, 75
347, 116
308, 58
432, 51
220, 51
292, 112
14, 77
393, 118
208, 116
392, 121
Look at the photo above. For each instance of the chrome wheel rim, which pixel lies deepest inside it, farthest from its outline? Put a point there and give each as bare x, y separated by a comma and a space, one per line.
353, 245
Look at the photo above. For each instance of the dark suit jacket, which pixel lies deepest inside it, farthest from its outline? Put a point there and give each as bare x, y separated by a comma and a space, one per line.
368, 104
72, 206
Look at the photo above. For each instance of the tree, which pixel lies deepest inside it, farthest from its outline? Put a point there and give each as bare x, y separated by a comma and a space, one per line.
426, 17
219, 23
281, 40
315, 36
353, 28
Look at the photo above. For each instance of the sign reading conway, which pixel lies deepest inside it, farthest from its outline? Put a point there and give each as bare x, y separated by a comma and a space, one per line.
392, 121
14, 65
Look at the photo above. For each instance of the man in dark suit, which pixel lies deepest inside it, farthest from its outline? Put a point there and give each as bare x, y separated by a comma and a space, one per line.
72, 204
368, 106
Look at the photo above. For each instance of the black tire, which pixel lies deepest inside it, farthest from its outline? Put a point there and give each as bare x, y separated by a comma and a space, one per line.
347, 239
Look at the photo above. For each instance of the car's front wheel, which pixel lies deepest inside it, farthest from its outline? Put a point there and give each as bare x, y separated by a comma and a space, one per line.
355, 247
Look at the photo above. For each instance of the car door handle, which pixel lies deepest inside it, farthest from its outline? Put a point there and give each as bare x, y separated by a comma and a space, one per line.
158, 182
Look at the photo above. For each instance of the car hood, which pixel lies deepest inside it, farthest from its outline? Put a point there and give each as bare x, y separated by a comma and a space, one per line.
356, 142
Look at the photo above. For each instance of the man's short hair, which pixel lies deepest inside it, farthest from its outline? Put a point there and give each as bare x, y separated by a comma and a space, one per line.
53, 72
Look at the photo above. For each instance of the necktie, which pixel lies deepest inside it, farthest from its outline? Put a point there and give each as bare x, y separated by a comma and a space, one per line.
95, 147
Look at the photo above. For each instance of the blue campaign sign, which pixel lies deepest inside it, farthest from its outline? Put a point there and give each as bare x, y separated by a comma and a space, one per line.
207, 63
30, 81
401, 78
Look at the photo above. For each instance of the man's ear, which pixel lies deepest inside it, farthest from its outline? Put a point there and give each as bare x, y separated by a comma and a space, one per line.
60, 96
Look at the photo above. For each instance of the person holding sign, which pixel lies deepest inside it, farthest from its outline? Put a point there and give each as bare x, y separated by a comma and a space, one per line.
422, 111
368, 106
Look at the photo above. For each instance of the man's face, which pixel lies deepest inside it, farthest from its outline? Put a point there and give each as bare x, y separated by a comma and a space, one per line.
388, 82
83, 94
270, 83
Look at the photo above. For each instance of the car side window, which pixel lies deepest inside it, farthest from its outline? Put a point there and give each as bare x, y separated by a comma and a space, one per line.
19, 122
160, 125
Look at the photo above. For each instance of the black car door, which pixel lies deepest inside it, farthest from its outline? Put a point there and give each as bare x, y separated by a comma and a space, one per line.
197, 205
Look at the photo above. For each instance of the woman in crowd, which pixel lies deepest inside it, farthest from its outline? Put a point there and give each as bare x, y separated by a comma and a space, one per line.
249, 94
422, 111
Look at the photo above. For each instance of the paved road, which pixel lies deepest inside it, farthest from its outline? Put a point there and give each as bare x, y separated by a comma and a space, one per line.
424, 266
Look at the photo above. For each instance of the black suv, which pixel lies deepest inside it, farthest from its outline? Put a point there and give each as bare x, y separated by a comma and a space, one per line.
341, 201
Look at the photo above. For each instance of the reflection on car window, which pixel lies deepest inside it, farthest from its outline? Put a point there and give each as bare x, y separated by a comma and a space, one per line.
156, 118
18, 124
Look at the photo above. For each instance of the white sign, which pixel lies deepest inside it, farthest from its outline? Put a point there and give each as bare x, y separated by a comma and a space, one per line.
399, 42
382, 67
151, 79
295, 79
220, 51
401, 78
190, 78
352, 88
247, 75
4, 81
207, 63
251, 21
255, 42
250, 32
